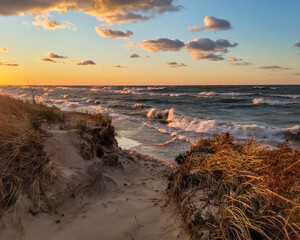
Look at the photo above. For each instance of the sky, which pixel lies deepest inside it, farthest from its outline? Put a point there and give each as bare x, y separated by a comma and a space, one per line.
149, 42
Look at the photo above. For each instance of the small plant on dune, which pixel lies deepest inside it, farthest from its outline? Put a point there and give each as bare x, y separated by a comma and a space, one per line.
81, 124
253, 192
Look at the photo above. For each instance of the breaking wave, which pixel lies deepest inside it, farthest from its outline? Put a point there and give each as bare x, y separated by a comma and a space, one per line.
257, 101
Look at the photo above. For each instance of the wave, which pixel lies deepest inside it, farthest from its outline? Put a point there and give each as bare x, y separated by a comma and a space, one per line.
225, 94
139, 106
259, 87
155, 88
185, 128
257, 101
287, 96
164, 115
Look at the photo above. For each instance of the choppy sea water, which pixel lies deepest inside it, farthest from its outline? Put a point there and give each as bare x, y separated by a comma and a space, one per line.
162, 121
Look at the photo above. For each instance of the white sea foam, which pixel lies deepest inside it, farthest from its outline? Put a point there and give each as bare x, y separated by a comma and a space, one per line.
287, 96
179, 125
139, 106
257, 101
167, 114
225, 94
155, 88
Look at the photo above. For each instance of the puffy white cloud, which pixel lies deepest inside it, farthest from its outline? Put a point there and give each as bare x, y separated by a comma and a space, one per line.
106, 32
162, 44
213, 24
175, 64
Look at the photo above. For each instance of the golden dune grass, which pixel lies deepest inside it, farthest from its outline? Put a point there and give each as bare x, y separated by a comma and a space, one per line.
254, 191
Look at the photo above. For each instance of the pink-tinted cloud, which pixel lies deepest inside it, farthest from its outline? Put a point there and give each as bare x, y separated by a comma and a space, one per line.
48, 24
207, 49
85, 63
107, 10
162, 44
274, 67
237, 61
107, 32
213, 24
9, 64
53, 55
175, 64
3, 50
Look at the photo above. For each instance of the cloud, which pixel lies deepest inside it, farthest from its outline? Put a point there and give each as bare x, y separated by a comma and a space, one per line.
233, 59
42, 20
207, 56
85, 63
162, 44
9, 64
237, 62
207, 45
3, 50
134, 55
53, 55
206, 49
274, 67
175, 64
46, 59
105, 10
297, 44
240, 64
146, 56
213, 24
49, 58
106, 32
118, 66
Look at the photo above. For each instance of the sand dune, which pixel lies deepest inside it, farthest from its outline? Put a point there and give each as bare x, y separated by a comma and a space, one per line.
125, 200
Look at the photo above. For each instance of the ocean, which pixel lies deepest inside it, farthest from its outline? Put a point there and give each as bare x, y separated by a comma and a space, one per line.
162, 121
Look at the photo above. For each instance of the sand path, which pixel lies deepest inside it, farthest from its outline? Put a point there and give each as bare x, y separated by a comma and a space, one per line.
130, 205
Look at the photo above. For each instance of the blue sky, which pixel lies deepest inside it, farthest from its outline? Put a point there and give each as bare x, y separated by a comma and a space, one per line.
266, 33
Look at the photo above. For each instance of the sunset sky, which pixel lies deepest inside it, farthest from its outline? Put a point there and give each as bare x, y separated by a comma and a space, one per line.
134, 42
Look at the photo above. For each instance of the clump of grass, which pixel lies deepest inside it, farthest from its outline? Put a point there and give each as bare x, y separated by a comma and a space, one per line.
25, 169
230, 190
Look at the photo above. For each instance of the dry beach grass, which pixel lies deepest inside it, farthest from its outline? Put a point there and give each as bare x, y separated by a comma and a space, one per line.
229, 190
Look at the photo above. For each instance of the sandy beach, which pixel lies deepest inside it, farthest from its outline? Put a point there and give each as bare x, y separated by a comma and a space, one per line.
122, 197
